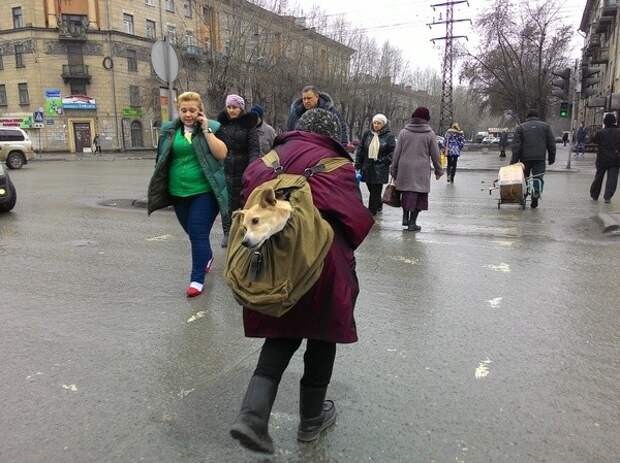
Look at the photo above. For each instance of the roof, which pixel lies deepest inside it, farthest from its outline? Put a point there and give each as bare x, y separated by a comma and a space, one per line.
585, 18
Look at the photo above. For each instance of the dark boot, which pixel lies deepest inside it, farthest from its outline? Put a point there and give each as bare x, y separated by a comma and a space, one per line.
251, 428
317, 414
412, 226
405, 218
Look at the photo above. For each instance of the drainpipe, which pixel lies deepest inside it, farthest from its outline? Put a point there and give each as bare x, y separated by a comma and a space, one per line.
109, 24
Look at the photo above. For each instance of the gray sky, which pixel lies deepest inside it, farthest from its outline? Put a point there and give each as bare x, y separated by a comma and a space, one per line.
403, 23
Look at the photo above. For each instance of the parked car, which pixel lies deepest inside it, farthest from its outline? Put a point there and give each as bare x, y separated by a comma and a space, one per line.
441, 141
8, 195
490, 140
480, 136
15, 147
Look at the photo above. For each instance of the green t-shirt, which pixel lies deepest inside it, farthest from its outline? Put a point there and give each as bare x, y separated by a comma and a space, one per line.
186, 175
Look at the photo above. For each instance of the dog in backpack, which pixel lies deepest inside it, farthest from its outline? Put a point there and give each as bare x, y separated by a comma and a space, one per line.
265, 219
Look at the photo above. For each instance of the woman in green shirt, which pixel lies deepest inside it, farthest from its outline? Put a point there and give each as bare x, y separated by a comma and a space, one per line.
189, 175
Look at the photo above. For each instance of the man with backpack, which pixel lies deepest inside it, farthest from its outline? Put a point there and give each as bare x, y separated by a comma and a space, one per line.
532, 140
324, 315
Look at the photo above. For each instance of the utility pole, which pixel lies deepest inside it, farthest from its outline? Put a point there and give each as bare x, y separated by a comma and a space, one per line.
446, 109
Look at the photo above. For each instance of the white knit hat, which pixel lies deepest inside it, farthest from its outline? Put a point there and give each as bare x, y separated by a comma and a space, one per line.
380, 118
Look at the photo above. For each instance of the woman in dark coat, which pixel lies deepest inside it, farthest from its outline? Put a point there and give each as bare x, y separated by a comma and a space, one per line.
238, 131
415, 150
607, 159
373, 159
324, 316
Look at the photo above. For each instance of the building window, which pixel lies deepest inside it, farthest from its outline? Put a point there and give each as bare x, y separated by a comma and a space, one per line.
187, 8
172, 34
18, 17
3, 95
19, 56
190, 39
207, 15
150, 29
1, 61
149, 2
128, 23
132, 61
134, 96
170, 5
24, 99
78, 88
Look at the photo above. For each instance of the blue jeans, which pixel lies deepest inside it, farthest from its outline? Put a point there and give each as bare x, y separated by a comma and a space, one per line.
196, 215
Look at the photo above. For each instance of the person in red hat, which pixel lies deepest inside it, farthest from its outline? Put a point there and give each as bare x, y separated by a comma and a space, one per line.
415, 150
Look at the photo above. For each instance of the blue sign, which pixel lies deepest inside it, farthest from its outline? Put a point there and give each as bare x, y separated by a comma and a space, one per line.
79, 102
38, 116
52, 93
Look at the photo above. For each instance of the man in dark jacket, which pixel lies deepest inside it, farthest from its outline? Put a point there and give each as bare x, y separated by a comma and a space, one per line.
532, 140
503, 144
311, 98
582, 137
607, 159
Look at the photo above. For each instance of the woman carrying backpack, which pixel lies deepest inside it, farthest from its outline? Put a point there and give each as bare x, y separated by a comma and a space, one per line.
189, 174
373, 159
454, 140
324, 315
239, 133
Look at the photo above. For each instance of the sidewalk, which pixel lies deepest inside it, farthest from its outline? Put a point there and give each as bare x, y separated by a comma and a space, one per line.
106, 156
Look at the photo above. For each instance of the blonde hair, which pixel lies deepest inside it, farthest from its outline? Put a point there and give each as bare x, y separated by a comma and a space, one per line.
190, 96
456, 126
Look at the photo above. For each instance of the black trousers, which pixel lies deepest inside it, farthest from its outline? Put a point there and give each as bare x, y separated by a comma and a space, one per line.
452, 162
536, 169
318, 360
610, 185
375, 203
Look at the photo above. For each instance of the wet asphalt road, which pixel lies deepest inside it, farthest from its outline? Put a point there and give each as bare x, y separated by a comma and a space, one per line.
491, 336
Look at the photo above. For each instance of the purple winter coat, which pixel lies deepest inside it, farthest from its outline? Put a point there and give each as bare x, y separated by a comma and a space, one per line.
415, 150
326, 311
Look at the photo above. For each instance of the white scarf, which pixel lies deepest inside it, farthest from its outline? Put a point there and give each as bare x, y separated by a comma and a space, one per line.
373, 148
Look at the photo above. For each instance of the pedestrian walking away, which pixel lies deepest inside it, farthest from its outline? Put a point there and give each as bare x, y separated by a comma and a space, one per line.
455, 141
503, 144
96, 144
415, 149
189, 175
373, 159
582, 137
532, 141
312, 98
324, 316
266, 133
239, 133
607, 159
565, 138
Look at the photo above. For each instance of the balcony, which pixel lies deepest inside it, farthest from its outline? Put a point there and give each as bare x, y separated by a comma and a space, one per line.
73, 72
609, 7
600, 56
192, 51
73, 27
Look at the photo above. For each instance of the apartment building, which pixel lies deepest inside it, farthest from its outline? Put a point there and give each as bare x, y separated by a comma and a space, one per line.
599, 76
85, 64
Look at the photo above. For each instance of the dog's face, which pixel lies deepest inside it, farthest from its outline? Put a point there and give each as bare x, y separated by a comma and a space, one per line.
263, 220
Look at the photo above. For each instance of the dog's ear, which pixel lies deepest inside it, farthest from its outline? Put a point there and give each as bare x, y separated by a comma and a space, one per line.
268, 198
239, 212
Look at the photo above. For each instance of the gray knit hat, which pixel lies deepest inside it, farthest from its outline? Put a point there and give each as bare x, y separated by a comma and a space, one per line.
320, 121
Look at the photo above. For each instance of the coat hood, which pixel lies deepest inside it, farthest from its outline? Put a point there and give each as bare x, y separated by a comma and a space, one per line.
321, 141
246, 120
459, 132
418, 126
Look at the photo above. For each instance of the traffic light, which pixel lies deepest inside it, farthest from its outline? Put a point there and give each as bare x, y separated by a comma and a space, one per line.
561, 84
564, 109
588, 81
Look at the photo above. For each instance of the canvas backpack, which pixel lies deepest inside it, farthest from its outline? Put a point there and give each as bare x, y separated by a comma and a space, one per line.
272, 279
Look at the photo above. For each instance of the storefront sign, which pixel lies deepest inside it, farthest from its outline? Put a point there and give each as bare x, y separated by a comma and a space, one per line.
78, 102
132, 113
53, 102
24, 122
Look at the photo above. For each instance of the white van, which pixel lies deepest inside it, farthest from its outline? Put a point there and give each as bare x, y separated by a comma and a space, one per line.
15, 147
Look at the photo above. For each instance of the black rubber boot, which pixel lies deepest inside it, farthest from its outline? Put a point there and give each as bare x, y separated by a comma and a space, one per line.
251, 428
317, 414
412, 226
405, 218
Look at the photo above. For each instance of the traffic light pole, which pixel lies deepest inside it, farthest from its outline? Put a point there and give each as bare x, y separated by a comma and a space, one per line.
572, 133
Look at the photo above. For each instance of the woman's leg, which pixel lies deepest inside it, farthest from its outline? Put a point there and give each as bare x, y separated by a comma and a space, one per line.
202, 213
454, 164
597, 183
251, 428
612, 182
316, 413
375, 199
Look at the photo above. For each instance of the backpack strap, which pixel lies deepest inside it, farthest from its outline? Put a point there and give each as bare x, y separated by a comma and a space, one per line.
272, 160
326, 166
